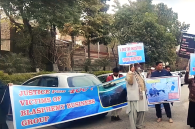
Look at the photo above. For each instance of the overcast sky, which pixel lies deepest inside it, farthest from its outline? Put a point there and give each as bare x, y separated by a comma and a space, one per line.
184, 8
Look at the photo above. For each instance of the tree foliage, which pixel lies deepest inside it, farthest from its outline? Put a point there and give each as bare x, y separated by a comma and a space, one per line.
157, 26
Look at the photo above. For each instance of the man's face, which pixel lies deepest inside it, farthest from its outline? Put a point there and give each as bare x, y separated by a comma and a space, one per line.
159, 66
168, 69
115, 74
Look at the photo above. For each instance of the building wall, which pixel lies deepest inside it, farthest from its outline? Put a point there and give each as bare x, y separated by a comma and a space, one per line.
5, 35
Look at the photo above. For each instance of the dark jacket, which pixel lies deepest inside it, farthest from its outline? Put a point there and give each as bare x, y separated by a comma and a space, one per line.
190, 86
4, 103
160, 73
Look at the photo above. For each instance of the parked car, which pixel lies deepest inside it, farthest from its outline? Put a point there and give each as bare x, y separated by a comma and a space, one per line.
64, 80
180, 75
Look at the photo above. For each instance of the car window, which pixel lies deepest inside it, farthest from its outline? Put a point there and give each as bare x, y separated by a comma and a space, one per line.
81, 81
33, 82
49, 82
103, 78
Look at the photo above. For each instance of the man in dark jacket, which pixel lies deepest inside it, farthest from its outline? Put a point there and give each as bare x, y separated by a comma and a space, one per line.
115, 75
159, 73
4, 105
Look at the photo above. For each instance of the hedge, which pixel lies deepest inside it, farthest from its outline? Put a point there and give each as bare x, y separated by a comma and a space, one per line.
18, 79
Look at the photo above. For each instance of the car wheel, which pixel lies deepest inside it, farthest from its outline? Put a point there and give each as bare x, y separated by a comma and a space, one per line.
63, 125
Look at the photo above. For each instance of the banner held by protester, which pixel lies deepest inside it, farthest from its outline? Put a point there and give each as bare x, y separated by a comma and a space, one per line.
43, 106
164, 89
192, 64
131, 54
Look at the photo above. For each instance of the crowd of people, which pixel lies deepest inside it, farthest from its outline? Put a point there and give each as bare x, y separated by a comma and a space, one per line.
136, 97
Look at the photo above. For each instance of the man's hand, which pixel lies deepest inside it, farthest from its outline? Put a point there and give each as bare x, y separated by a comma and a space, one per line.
10, 84
187, 69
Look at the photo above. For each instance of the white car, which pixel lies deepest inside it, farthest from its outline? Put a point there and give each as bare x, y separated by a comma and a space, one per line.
181, 77
64, 80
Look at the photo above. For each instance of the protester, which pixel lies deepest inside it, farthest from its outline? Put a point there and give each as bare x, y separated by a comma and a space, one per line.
191, 109
4, 105
150, 72
159, 73
136, 98
115, 75
168, 68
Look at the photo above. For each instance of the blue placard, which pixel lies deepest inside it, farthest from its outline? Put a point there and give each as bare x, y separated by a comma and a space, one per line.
42, 106
130, 54
192, 64
164, 89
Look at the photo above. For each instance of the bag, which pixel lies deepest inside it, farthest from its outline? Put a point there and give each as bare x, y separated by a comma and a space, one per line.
192, 91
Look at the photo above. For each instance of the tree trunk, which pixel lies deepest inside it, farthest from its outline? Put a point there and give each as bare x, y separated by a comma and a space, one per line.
89, 54
28, 27
54, 52
72, 51
55, 67
116, 62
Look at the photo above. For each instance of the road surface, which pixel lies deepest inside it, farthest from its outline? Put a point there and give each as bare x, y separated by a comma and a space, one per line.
179, 113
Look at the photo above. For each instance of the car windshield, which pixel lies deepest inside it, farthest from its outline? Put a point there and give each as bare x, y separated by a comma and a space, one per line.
81, 81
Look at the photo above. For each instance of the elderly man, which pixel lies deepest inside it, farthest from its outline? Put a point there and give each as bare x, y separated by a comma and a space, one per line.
136, 97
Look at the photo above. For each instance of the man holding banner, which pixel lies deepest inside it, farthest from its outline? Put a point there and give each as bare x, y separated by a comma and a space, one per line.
136, 98
159, 73
115, 75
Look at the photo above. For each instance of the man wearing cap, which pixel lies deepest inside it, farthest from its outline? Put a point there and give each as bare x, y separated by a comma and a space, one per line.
136, 97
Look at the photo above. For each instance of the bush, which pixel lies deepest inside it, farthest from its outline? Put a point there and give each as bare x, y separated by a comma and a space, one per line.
18, 79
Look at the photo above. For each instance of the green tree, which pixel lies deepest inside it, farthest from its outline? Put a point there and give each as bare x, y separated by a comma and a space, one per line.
48, 15
14, 63
95, 22
142, 21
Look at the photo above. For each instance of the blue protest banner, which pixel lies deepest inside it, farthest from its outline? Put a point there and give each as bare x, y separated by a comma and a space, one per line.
164, 89
192, 64
43, 106
130, 54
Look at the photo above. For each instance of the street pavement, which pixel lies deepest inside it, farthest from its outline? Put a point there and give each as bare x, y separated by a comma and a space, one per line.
179, 113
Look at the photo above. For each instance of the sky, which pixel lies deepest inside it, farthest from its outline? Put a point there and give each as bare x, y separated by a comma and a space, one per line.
184, 8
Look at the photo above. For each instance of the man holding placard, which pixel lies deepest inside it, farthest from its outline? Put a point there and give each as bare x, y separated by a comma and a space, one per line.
159, 73
136, 97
